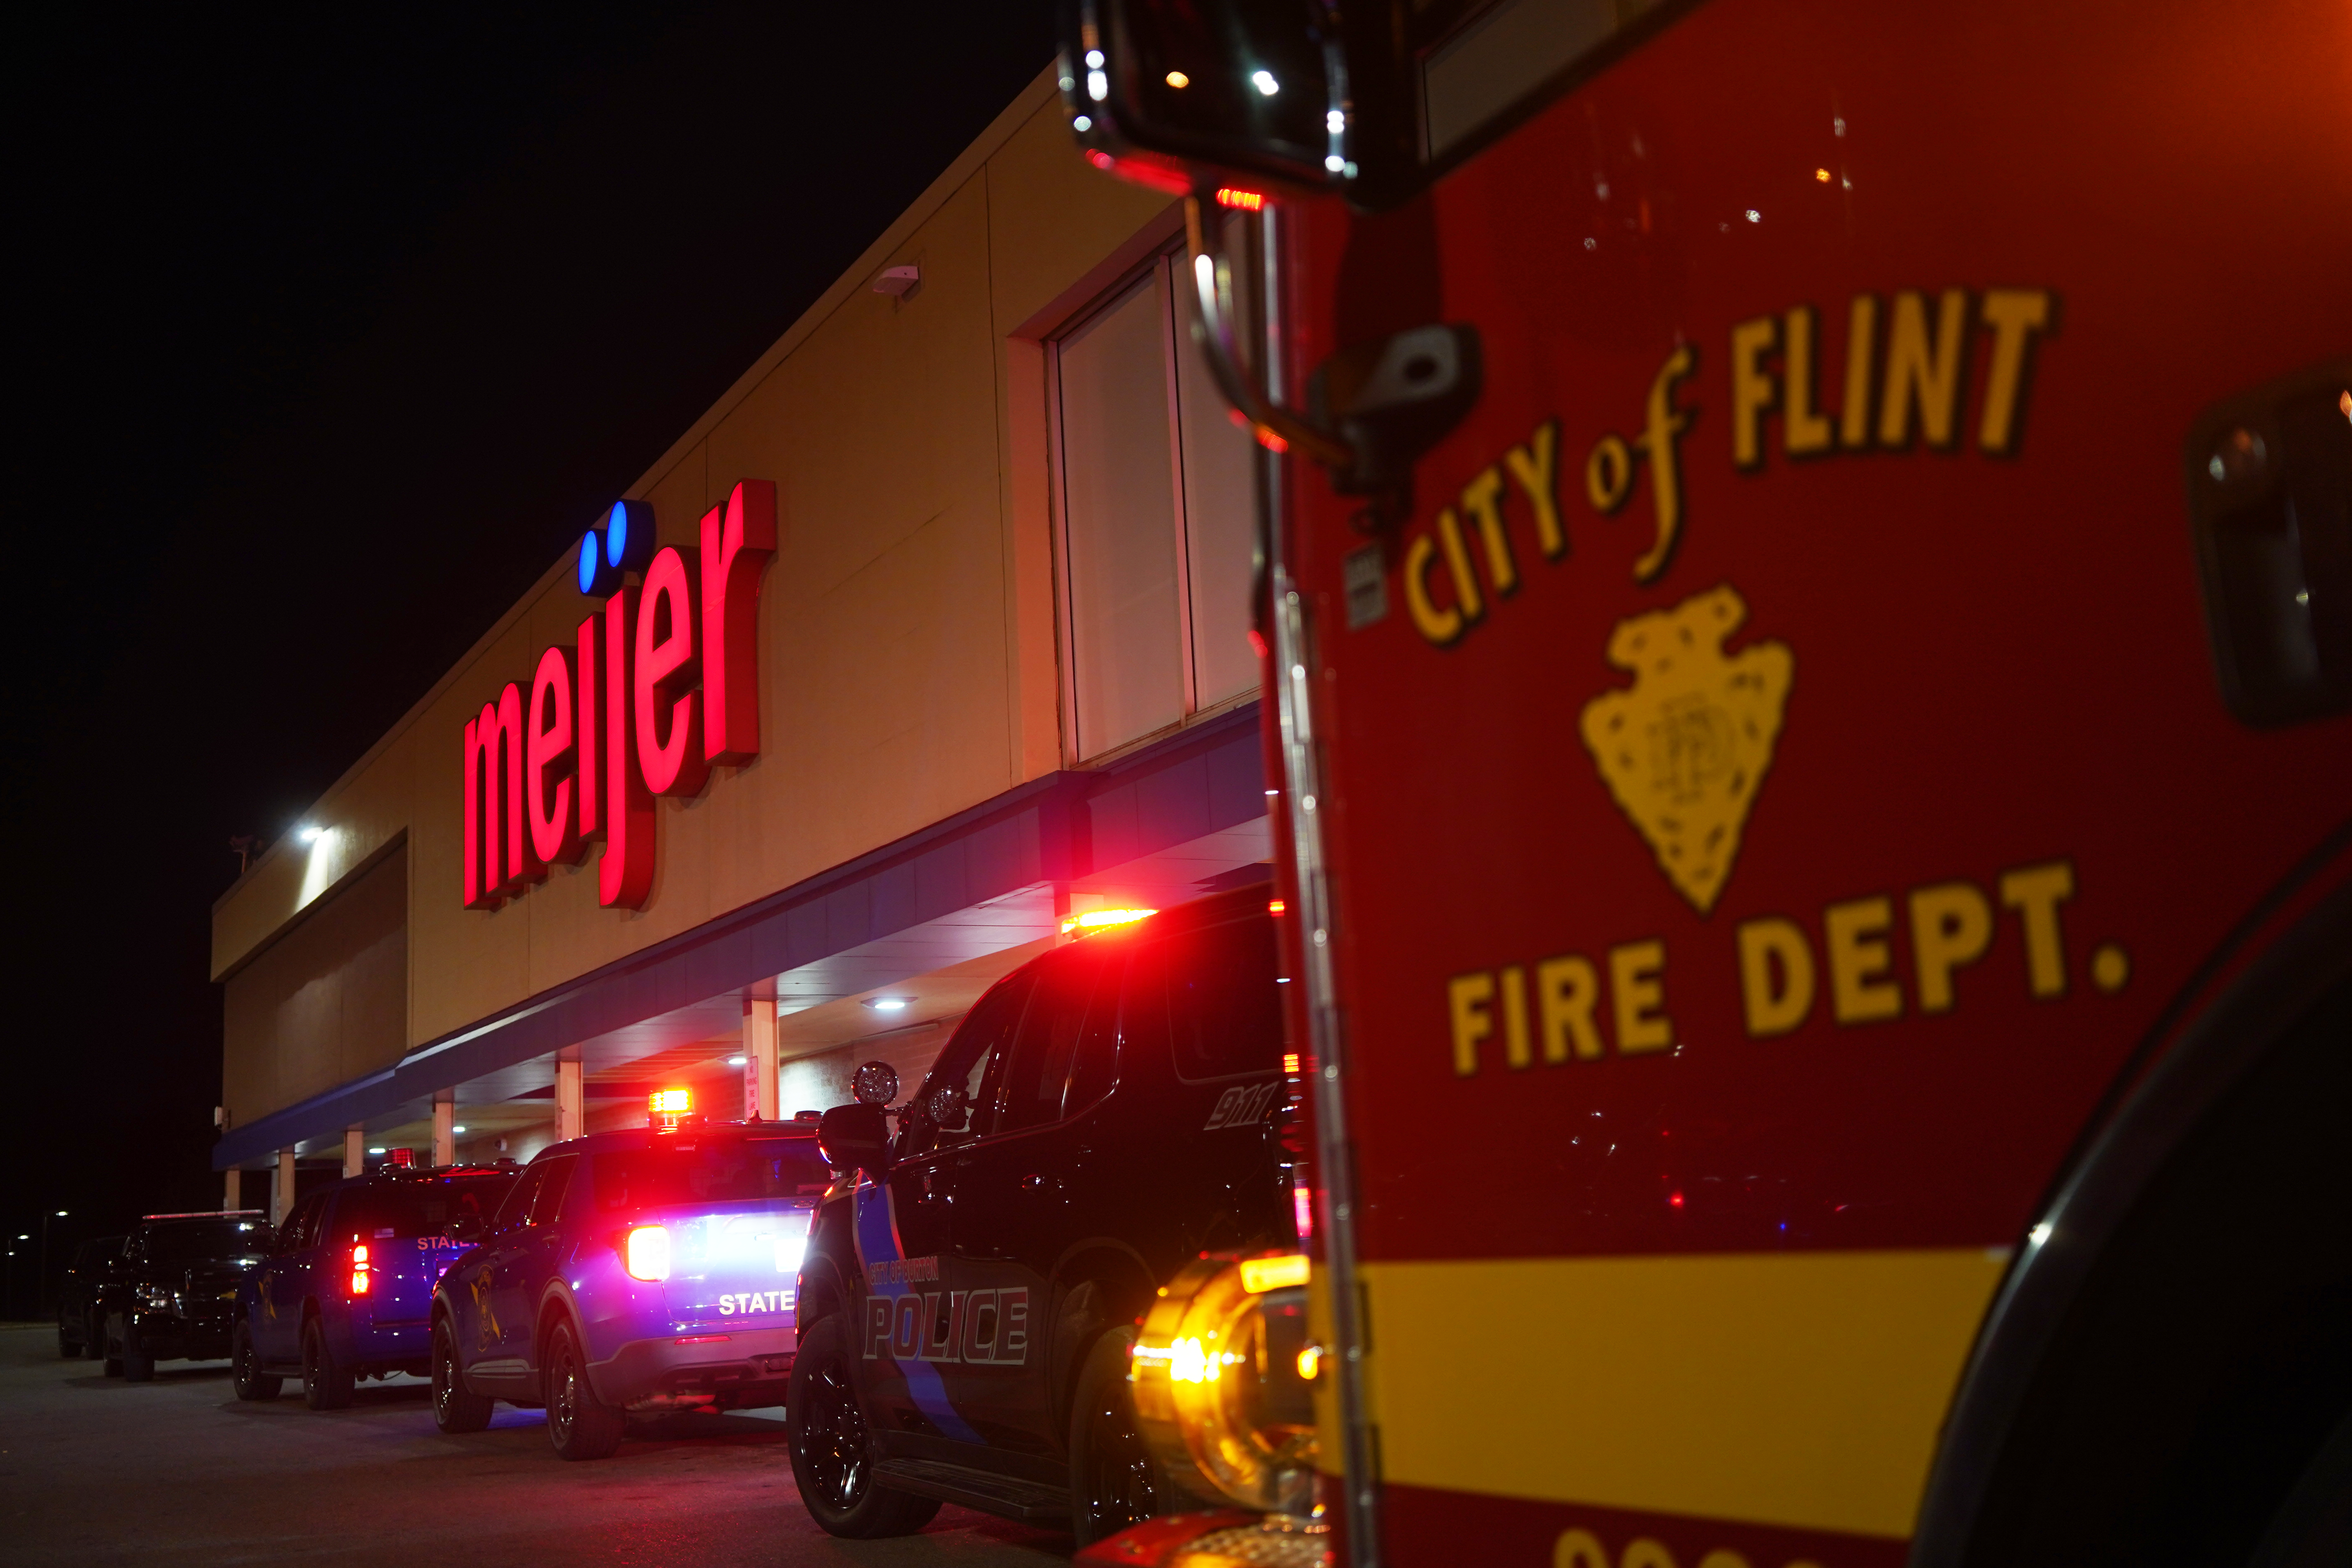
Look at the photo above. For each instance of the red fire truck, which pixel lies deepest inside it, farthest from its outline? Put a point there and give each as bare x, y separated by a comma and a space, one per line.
1807, 589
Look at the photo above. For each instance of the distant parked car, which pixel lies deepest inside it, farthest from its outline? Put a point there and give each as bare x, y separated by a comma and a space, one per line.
347, 1290
82, 1327
633, 1273
172, 1294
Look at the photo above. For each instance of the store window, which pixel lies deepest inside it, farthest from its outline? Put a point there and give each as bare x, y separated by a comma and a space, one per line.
1157, 519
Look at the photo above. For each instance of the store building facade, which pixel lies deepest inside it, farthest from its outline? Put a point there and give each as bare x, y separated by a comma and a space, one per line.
940, 639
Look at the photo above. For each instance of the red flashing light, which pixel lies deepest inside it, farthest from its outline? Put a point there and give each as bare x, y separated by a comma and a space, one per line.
359, 1269
400, 1157
1243, 201
1273, 443
1099, 159
645, 1253
1675, 1199
702, 1339
1274, 906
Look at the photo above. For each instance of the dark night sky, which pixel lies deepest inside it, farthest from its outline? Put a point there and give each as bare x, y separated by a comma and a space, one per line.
330, 329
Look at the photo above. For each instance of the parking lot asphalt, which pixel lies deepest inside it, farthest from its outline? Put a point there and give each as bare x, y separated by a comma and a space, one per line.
97, 1470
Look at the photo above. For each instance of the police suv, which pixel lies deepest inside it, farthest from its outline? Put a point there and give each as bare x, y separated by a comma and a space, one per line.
1102, 1117
348, 1286
635, 1272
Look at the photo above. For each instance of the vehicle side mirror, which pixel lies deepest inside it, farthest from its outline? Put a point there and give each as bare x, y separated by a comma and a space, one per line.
465, 1228
1165, 93
855, 1138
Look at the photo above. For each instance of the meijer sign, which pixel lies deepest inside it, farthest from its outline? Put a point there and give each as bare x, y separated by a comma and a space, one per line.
663, 682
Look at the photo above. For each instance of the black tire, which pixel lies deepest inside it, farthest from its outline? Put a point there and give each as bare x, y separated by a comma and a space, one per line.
138, 1367
831, 1463
456, 1408
579, 1424
253, 1384
325, 1384
110, 1339
1113, 1482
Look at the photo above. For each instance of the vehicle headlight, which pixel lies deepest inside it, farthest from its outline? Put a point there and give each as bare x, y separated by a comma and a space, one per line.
157, 1298
1220, 1373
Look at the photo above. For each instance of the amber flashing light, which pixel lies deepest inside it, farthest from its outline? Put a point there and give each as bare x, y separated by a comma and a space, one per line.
1245, 201
1102, 920
1260, 1275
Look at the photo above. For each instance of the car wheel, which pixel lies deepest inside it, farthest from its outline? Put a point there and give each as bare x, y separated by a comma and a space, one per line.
456, 1408
138, 1367
252, 1383
579, 1424
110, 1339
830, 1459
325, 1386
1113, 1482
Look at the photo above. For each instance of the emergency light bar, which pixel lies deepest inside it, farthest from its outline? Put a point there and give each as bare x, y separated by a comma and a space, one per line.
666, 1108
210, 1213
1099, 920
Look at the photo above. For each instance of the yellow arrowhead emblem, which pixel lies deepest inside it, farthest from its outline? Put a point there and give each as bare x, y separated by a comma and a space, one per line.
1686, 747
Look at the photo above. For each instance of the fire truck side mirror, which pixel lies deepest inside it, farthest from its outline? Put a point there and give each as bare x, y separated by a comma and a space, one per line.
855, 1138
1246, 94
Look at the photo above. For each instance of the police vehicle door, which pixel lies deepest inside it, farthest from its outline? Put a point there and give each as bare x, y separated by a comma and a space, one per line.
902, 1226
1017, 1193
288, 1279
521, 1256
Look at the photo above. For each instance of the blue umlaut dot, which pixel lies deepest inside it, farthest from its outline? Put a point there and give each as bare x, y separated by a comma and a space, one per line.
592, 551
616, 533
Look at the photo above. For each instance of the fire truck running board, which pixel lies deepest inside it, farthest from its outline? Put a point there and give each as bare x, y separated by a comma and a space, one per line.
1028, 1501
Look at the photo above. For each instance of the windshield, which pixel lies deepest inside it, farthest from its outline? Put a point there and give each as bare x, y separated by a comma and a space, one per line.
709, 1171
417, 1208
208, 1240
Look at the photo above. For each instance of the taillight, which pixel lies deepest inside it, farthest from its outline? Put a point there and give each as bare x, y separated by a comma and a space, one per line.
359, 1270
645, 1253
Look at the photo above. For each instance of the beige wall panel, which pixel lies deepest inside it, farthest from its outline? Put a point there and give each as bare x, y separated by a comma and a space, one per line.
880, 616
365, 813
680, 498
1054, 218
324, 1003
